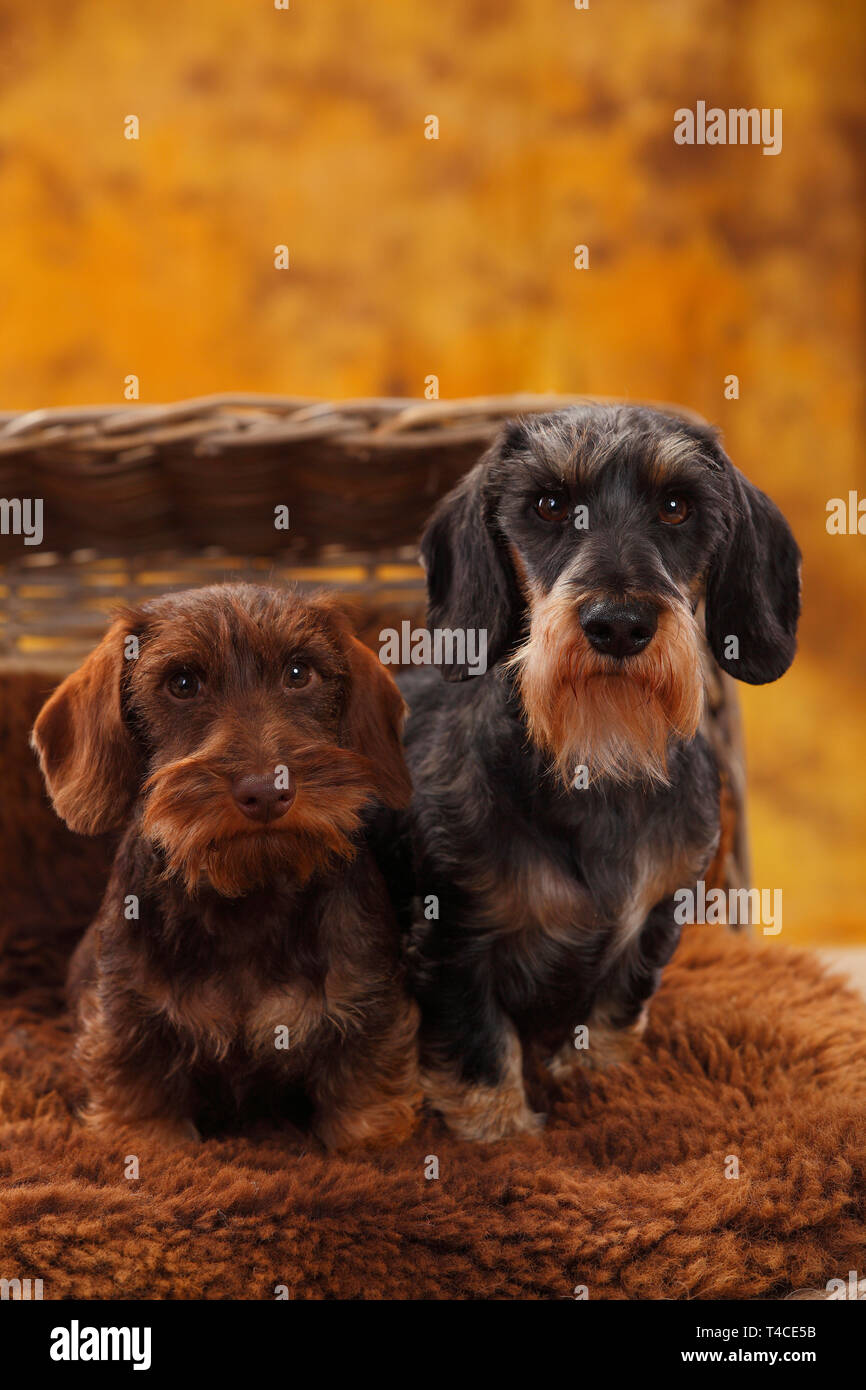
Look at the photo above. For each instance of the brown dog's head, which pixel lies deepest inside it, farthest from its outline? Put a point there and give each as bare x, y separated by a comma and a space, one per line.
250, 724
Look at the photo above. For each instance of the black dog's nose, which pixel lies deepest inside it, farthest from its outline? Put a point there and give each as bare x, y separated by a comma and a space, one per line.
260, 799
618, 629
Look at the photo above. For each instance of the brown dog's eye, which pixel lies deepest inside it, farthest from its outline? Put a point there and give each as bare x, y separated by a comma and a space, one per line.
183, 685
552, 506
674, 510
298, 674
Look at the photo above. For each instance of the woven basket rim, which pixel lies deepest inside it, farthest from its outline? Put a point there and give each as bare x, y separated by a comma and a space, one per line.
232, 420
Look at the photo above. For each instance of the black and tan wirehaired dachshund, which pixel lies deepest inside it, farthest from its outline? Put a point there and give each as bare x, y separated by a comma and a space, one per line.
565, 795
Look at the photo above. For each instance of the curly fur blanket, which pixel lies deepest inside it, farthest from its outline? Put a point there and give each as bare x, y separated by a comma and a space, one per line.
754, 1065
752, 1054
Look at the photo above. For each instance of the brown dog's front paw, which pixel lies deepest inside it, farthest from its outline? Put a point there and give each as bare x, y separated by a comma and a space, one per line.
172, 1134
389, 1122
165, 1132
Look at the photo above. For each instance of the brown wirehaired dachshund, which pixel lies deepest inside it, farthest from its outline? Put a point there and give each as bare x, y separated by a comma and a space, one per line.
245, 950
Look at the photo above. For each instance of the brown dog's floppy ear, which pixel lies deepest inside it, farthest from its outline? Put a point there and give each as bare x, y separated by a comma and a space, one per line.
753, 588
84, 749
373, 724
470, 579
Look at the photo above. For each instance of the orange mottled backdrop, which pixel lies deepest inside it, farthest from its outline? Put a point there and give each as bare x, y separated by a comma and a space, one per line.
305, 126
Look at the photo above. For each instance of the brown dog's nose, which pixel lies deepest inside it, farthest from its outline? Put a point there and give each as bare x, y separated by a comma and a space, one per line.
618, 629
260, 799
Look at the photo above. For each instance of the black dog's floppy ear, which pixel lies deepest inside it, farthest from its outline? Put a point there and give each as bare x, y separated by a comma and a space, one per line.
470, 579
753, 588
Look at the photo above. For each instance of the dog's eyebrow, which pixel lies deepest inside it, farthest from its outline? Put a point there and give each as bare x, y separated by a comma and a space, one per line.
675, 454
574, 451
538, 473
315, 647
308, 629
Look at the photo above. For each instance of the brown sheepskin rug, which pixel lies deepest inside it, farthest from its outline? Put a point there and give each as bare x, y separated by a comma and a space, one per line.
754, 1063
752, 1054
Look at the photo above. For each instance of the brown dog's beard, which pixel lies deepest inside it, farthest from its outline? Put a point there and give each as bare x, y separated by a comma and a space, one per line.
615, 722
188, 814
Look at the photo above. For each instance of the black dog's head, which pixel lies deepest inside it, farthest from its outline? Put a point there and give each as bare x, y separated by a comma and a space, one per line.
585, 543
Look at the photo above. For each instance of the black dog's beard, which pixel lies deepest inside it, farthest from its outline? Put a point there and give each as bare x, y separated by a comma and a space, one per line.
615, 719
189, 815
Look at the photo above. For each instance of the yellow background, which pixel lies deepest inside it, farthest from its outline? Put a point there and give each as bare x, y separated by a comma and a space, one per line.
412, 257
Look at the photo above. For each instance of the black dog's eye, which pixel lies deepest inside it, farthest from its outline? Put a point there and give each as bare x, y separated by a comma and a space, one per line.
673, 510
183, 685
298, 674
552, 506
